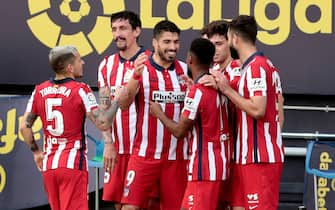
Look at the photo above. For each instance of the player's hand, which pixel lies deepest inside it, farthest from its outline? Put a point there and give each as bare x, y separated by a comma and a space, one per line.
155, 108
121, 93
110, 157
221, 81
139, 64
188, 81
209, 81
38, 158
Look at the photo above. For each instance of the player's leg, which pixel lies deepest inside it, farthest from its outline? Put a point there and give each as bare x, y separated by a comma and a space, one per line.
172, 184
113, 181
237, 188
154, 202
140, 179
51, 188
262, 191
73, 188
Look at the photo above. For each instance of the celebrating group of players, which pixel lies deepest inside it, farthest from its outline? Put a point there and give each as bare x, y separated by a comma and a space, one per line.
200, 135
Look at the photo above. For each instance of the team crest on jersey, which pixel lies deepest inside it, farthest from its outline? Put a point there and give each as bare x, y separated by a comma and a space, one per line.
181, 80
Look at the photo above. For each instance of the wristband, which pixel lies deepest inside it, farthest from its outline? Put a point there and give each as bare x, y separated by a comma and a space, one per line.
136, 76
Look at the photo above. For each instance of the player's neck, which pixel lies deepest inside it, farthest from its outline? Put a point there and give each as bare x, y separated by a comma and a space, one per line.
161, 62
130, 52
63, 76
247, 52
198, 73
224, 64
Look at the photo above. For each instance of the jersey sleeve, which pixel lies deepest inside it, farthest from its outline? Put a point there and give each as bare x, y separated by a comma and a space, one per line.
256, 80
88, 98
102, 73
32, 105
191, 103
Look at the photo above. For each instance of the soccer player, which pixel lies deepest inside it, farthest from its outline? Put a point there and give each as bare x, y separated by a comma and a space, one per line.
259, 151
114, 72
62, 103
157, 157
205, 113
216, 32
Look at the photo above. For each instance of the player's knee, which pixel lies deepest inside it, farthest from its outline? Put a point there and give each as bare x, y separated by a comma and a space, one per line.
130, 207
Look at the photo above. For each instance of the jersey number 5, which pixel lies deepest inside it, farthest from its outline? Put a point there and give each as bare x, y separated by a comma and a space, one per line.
54, 115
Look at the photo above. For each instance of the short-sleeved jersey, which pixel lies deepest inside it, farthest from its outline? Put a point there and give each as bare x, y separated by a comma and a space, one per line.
259, 140
62, 106
210, 133
115, 71
165, 86
232, 72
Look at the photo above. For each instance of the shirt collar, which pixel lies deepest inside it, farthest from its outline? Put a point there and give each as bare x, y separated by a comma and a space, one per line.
251, 57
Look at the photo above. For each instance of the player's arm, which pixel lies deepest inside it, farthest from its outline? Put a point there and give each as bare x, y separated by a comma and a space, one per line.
254, 107
110, 154
178, 129
28, 136
103, 116
133, 84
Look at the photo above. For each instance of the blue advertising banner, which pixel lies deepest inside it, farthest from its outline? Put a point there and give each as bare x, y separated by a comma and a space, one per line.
320, 176
20, 181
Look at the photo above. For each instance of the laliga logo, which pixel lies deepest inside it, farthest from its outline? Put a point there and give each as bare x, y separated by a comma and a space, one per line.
50, 34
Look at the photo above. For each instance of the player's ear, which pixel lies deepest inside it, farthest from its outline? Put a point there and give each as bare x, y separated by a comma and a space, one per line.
137, 32
154, 43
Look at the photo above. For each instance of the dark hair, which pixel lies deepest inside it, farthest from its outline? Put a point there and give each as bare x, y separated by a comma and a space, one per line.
132, 17
245, 26
61, 56
219, 27
204, 51
165, 26
204, 31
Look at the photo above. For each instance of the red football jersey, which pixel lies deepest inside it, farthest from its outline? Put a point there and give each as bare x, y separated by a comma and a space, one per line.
232, 72
115, 71
153, 140
210, 134
62, 106
259, 140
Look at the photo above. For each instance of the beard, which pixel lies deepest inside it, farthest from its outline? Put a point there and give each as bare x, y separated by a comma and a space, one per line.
234, 53
189, 73
165, 57
121, 46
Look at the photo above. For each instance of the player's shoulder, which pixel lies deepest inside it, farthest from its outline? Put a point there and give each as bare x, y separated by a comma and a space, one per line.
44, 84
107, 60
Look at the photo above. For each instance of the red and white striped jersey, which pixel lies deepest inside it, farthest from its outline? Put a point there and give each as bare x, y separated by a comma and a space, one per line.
165, 86
115, 71
62, 106
232, 72
210, 134
259, 140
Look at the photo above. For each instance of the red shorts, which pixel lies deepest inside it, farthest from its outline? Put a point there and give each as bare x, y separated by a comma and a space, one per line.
113, 181
256, 186
225, 191
200, 195
143, 175
66, 188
